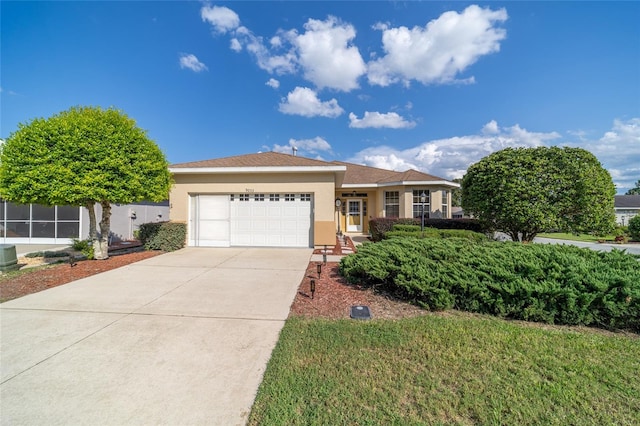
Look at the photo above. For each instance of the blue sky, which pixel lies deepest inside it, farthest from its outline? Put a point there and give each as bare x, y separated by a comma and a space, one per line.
433, 86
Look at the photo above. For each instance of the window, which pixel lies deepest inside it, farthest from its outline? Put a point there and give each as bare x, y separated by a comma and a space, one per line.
417, 203
445, 204
305, 197
38, 221
289, 197
244, 197
258, 197
232, 197
392, 204
274, 197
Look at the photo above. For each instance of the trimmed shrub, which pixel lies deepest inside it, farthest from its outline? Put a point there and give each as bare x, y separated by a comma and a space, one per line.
165, 236
378, 227
83, 246
634, 228
465, 224
462, 233
413, 231
405, 228
559, 284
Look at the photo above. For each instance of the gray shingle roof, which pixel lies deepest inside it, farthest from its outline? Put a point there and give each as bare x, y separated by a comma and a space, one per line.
355, 174
260, 159
626, 201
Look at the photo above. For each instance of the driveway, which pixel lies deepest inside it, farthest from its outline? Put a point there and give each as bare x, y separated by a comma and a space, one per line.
181, 338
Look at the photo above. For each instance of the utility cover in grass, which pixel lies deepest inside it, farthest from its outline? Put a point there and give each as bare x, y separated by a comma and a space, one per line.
360, 312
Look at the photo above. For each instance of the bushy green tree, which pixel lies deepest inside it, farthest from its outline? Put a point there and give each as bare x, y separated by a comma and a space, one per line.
525, 191
634, 228
84, 156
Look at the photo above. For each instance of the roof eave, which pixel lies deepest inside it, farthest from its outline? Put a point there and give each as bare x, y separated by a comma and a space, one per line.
402, 183
262, 169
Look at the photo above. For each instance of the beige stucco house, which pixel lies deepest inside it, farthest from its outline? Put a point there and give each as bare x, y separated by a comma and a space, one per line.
282, 200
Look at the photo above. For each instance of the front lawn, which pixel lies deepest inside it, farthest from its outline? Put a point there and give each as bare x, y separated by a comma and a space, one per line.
451, 369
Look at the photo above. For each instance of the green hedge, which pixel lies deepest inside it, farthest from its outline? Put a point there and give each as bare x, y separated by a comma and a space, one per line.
413, 231
535, 282
165, 236
378, 227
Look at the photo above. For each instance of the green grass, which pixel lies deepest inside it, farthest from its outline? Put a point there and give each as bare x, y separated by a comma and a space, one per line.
447, 370
582, 237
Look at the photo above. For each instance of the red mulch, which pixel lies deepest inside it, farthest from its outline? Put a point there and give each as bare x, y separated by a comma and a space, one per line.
334, 297
63, 273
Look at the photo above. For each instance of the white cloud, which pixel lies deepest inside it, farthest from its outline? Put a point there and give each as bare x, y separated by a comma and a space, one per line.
191, 62
618, 150
324, 52
305, 147
304, 101
281, 63
378, 120
327, 56
439, 52
449, 158
273, 83
491, 128
235, 45
9, 92
222, 19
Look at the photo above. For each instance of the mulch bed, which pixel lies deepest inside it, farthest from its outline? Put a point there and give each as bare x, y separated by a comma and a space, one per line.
45, 277
334, 297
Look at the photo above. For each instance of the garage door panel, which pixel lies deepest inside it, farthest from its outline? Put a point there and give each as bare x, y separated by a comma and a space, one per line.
270, 223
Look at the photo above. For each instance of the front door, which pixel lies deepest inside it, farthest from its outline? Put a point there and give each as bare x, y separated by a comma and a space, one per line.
354, 216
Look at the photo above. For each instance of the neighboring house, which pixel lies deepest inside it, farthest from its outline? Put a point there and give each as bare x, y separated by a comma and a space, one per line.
457, 213
37, 224
281, 200
626, 207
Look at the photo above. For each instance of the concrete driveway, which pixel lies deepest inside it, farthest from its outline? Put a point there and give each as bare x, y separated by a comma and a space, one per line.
181, 338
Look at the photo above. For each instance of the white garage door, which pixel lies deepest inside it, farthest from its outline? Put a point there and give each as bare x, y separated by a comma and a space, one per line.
269, 220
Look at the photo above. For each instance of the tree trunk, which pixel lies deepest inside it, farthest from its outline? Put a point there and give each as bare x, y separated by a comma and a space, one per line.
515, 235
93, 233
101, 244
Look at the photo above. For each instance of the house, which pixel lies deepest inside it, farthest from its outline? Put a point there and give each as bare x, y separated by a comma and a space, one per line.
282, 200
626, 207
38, 224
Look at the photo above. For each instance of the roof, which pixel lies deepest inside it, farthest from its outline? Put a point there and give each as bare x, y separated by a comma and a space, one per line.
364, 175
627, 201
260, 159
355, 175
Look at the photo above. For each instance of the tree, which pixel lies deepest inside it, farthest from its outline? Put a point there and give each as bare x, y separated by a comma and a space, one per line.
84, 156
525, 191
634, 228
634, 191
